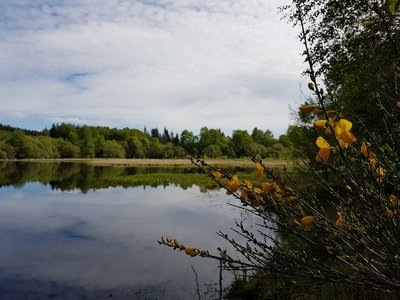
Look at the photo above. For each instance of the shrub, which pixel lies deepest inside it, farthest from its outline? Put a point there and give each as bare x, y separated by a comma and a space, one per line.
344, 226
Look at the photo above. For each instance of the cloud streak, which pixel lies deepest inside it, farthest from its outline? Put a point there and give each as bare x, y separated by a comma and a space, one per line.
180, 64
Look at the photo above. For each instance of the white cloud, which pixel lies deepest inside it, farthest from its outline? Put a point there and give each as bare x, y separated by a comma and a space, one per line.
180, 64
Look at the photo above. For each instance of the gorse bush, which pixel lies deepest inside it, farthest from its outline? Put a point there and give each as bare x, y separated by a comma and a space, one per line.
343, 227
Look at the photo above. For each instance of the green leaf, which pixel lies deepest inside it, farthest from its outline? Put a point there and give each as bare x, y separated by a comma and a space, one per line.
394, 6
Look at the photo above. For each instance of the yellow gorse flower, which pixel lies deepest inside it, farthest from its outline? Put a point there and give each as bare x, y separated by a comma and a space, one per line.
260, 169
389, 213
339, 220
393, 198
191, 251
324, 151
317, 111
306, 108
218, 175
307, 221
257, 194
380, 174
366, 152
232, 185
319, 124
244, 195
266, 186
343, 134
248, 184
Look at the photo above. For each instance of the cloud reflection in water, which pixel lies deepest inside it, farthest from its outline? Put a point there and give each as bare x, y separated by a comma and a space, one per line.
104, 242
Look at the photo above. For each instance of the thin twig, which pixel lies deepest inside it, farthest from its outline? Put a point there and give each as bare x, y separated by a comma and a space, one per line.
197, 283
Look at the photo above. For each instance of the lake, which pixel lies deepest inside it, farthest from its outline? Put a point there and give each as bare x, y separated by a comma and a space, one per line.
70, 231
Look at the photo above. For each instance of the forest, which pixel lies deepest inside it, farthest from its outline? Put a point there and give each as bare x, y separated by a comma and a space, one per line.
73, 141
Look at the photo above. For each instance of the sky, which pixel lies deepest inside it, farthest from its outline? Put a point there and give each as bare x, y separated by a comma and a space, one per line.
179, 64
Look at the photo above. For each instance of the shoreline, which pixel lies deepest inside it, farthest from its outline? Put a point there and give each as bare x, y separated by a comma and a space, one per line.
152, 162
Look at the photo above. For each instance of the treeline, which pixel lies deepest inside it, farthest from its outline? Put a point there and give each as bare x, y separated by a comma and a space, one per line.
72, 141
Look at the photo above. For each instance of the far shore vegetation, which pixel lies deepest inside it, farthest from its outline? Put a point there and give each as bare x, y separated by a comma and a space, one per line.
69, 141
160, 162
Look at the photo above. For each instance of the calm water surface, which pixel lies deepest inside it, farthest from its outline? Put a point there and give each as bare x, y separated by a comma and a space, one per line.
101, 242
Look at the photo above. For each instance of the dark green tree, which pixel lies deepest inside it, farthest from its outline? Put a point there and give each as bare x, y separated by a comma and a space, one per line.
86, 142
189, 142
265, 138
112, 149
241, 140
355, 48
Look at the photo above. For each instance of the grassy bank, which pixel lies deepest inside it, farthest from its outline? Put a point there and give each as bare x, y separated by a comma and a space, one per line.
245, 162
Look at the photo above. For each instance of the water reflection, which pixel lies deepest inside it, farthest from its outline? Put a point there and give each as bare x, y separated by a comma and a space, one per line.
67, 176
102, 244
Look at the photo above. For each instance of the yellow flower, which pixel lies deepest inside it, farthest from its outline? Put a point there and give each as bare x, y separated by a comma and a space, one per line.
232, 185
389, 213
260, 169
380, 172
364, 149
244, 195
322, 143
218, 175
306, 108
393, 198
257, 193
317, 111
339, 220
277, 188
347, 137
372, 163
342, 132
190, 251
266, 186
308, 220
366, 152
343, 125
248, 184
324, 151
319, 124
